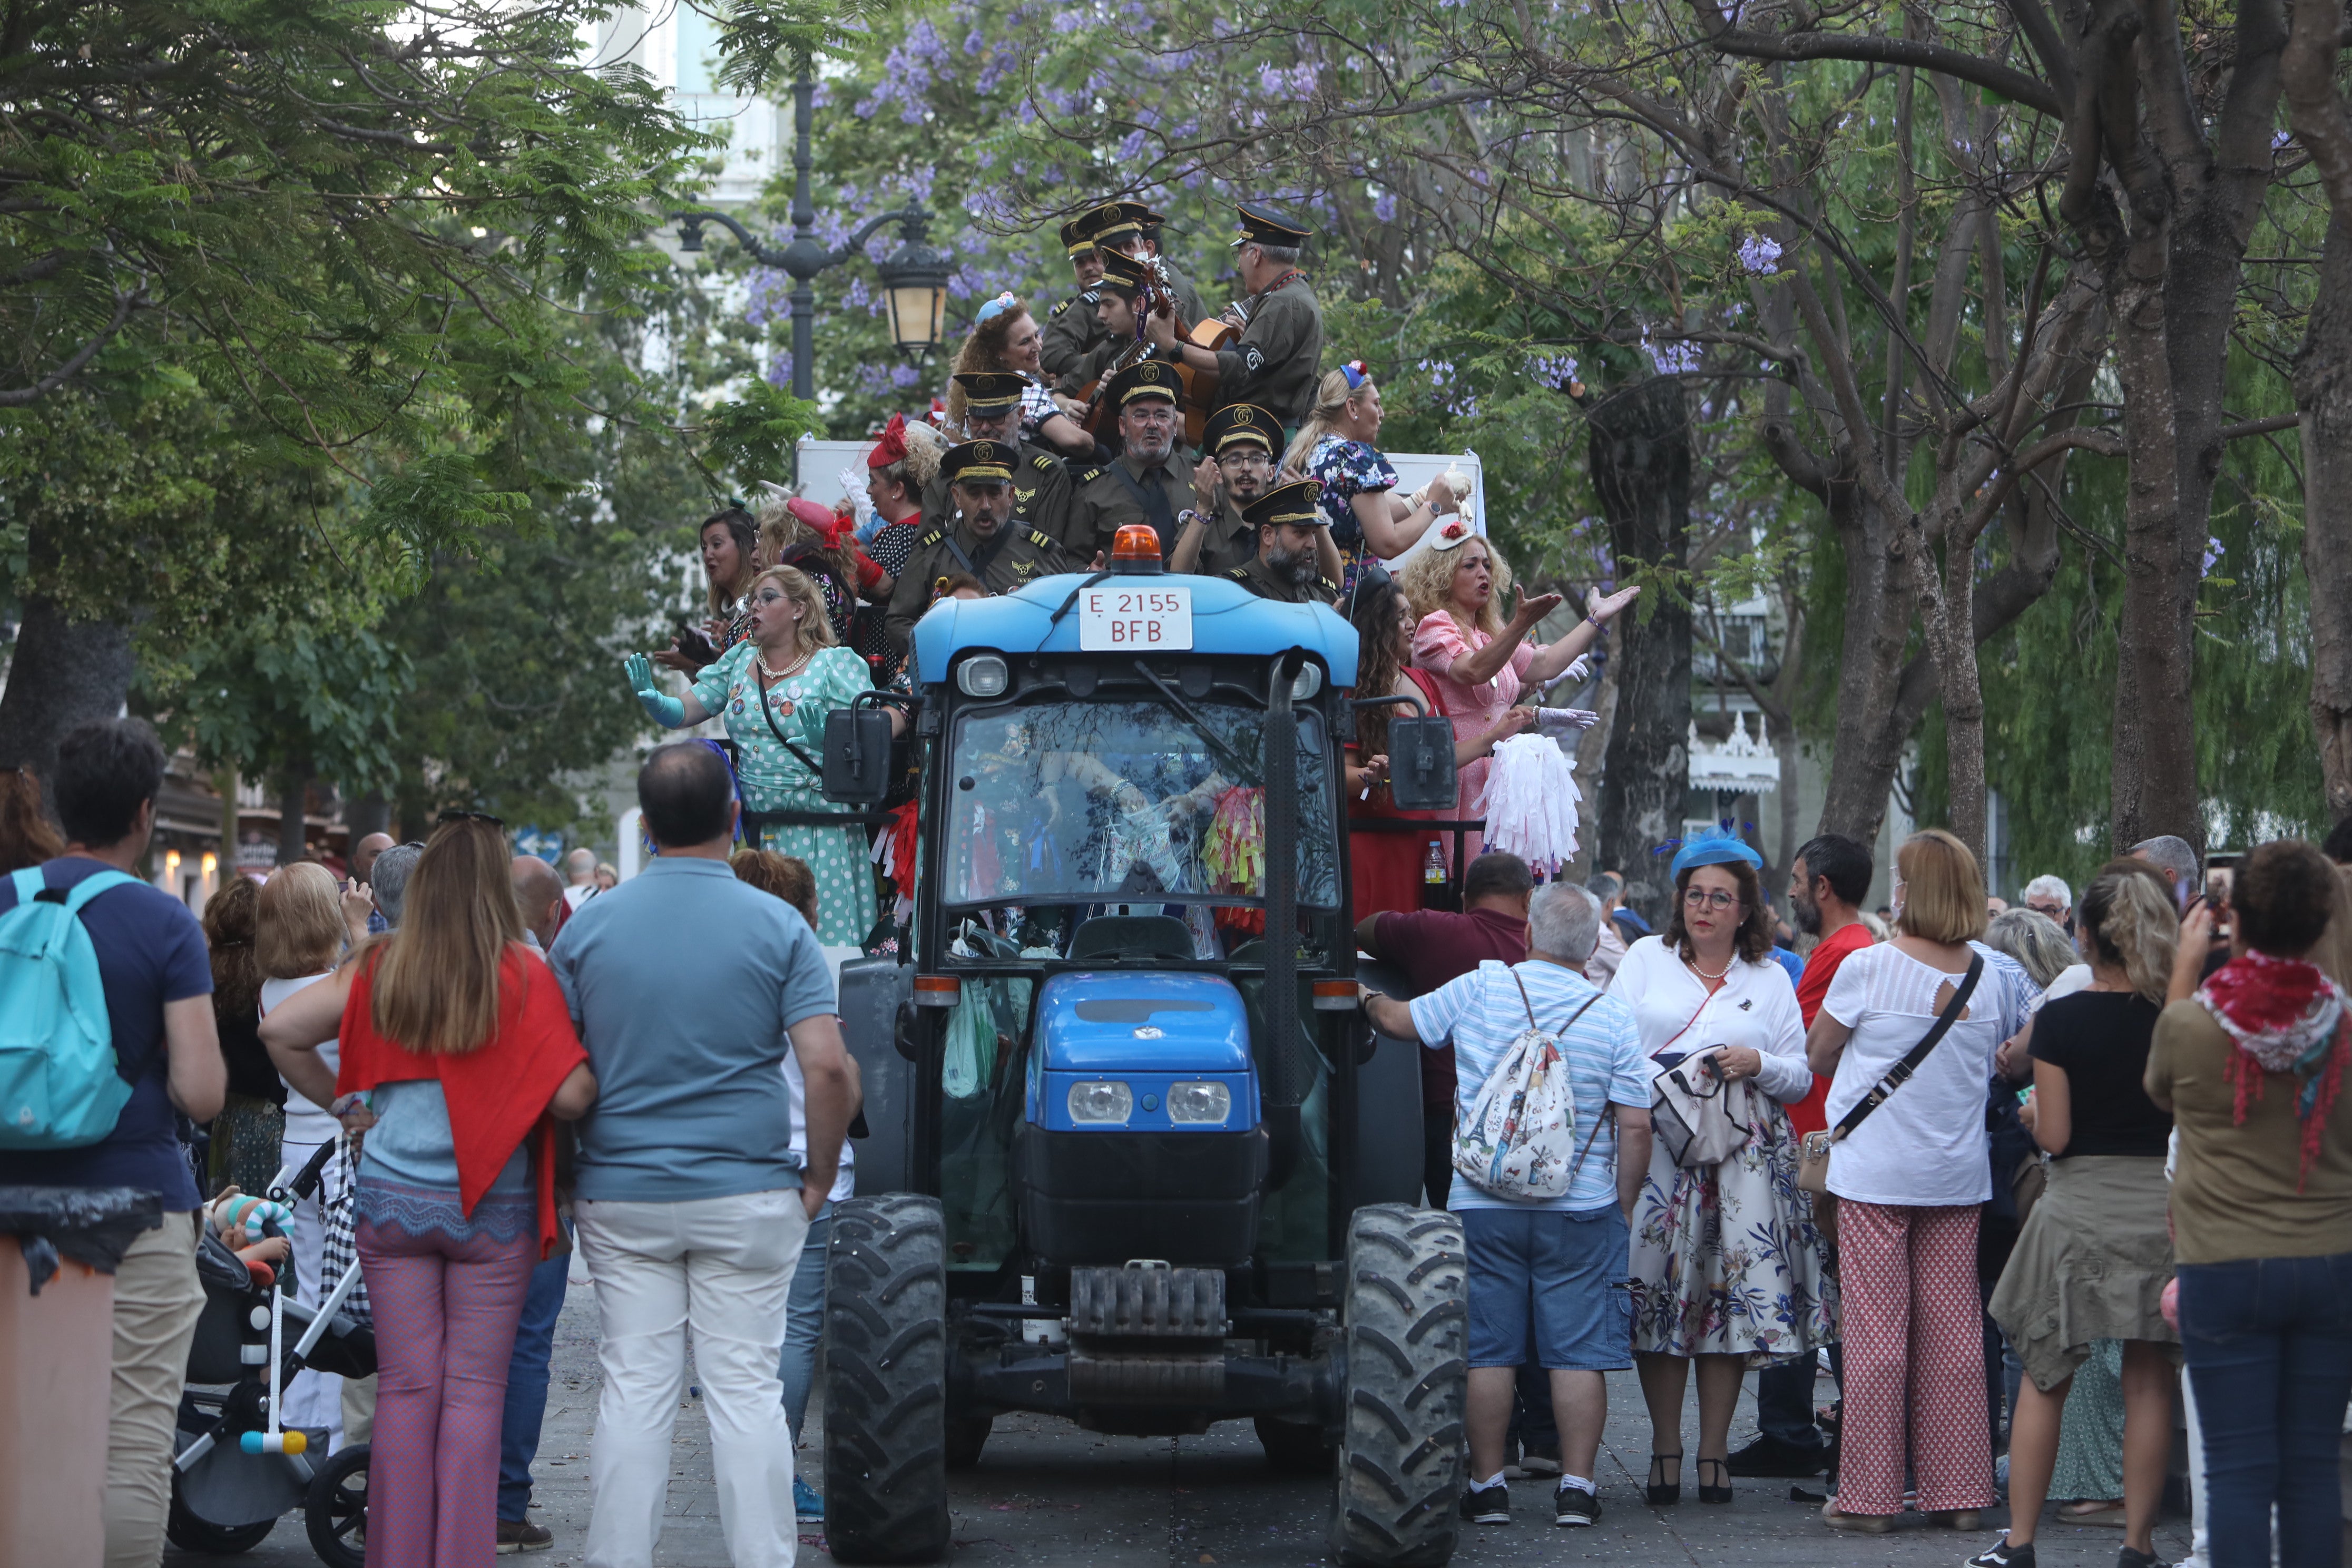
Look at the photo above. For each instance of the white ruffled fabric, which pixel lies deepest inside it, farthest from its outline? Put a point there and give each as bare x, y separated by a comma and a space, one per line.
1531, 801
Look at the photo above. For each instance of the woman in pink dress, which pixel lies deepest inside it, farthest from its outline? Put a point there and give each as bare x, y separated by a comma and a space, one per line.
1483, 663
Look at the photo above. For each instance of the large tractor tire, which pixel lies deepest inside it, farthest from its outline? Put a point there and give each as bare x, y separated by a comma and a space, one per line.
886, 1297
1407, 1320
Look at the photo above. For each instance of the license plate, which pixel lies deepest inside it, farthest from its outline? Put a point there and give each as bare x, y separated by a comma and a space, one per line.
1115, 617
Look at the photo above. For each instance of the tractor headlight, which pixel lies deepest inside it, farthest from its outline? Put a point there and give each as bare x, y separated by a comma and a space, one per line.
1198, 1102
1101, 1100
983, 675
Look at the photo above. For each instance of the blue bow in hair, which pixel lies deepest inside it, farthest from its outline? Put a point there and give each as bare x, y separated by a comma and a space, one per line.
995, 307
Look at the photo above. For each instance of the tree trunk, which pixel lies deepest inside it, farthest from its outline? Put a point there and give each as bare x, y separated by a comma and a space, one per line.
293, 801
1641, 465
1867, 745
371, 813
2323, 393
62, 673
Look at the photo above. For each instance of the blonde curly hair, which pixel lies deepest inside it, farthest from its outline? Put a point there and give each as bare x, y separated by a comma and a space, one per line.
816, 626
920, 465
779, 529
1428, 581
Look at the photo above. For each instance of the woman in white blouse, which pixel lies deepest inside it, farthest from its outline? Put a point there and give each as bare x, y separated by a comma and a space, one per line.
1727, 1264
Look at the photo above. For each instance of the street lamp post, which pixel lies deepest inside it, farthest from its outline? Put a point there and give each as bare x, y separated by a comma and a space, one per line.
914, 277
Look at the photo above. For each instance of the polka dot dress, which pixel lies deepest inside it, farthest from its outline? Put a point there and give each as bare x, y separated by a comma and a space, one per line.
772, 779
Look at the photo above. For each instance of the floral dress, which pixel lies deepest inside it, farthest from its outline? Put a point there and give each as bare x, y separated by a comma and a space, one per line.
1726, 1259
1347, 469
772, 779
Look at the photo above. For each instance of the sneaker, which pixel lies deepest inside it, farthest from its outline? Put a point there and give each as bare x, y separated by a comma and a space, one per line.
1487, 1505
1771, 1456
1574, 1506
807, 1502
1537, 1460
521, 1535
2001, 1554
2132, 1557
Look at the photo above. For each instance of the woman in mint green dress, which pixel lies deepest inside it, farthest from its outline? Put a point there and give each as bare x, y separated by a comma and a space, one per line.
791, 667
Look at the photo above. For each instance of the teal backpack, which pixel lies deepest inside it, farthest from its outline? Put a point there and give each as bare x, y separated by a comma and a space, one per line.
61, 1086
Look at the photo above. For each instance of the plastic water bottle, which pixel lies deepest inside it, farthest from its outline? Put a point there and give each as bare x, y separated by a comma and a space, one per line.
1433, 865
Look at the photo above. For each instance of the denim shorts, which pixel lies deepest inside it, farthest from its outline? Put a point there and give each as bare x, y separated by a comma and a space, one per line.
1548, 1288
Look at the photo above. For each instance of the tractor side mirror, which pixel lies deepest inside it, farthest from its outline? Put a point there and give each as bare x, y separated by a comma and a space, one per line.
857, 756
1421, 764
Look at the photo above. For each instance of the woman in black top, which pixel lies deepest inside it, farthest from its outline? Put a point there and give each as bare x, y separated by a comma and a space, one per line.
2095, 1256
247, 1134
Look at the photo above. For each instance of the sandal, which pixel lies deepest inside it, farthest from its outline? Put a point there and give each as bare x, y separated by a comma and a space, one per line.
1660, 1491
2092, 1512
1721, 1493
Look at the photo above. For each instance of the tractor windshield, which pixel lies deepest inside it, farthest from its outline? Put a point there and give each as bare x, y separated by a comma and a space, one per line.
1102, 800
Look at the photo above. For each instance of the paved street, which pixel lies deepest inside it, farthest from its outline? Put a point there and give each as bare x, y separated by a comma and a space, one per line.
1049, 1495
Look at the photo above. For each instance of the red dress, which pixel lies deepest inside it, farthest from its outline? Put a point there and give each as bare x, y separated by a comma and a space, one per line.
1384, 869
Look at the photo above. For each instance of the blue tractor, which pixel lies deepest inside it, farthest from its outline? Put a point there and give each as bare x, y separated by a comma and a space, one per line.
1134, 1157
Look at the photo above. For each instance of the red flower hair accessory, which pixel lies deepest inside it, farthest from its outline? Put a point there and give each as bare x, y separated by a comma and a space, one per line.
1451, 536
891, 447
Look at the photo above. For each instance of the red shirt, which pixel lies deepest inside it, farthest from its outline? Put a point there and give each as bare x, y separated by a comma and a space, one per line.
1810, 1114
1434, 946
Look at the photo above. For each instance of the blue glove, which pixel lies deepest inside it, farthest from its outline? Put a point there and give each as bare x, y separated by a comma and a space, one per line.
667, 711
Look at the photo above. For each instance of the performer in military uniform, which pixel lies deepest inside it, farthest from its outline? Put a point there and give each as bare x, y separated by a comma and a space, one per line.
1133, 229
1287, 519
983, 539
1041, 484
1277, 359
1237, 462
1150, 480
1072, 328
1115, 297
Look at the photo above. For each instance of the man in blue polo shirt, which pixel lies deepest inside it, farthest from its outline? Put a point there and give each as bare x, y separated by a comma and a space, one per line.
688, 987
159, 981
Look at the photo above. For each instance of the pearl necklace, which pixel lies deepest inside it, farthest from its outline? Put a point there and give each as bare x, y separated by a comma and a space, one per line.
1692, 963
788, 669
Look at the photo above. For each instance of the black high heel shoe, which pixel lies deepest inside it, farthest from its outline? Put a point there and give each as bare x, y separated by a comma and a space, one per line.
1716, 1493
1666, 1492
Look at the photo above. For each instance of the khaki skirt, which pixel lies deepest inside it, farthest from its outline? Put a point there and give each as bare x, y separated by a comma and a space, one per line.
2091, 1264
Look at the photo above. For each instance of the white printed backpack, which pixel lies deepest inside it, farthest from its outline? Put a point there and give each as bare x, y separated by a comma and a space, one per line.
1520, 1134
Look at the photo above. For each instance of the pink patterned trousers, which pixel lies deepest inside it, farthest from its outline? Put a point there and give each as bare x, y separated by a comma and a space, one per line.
1915, 1342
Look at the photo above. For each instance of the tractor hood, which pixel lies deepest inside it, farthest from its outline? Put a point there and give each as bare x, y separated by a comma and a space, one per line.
1118, 1021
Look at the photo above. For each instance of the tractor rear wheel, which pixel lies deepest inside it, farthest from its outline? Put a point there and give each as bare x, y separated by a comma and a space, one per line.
886, 1472
1406, 1316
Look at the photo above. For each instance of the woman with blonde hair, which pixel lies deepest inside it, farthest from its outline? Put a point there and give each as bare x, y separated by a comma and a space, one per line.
774, 690
1005, 337
1909, 1166
795, 532
1482, 663
457, 1048
1336, 445
299, 938
2095, 1256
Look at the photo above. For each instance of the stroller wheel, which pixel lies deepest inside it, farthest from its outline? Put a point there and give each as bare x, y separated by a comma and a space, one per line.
190, 1533
335, 1513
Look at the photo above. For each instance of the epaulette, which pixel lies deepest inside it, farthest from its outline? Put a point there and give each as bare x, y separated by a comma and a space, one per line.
1091, 475
1041, 539
1060, 308
1041, 461
930, 538
1238, 574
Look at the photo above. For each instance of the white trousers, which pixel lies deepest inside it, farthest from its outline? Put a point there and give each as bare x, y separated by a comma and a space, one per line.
722, 1267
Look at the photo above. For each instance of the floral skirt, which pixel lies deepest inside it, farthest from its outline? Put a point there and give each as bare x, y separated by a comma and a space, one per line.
1726, 1260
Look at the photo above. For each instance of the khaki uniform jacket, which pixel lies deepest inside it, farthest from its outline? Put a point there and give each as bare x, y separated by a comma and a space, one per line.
1072, 332
1104, 502
1188, 298
1229, 543
1278, 358
1015, 554
1258, 580
1041, 494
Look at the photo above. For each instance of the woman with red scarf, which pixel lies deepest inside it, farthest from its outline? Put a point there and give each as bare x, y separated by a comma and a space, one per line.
2252, 1071
457, 1049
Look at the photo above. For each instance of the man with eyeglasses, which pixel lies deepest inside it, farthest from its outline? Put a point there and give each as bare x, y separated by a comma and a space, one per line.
2051, 897
1237, 458
1278, 358
1149, 481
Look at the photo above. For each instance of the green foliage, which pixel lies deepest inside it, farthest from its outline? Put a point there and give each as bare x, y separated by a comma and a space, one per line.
750, 438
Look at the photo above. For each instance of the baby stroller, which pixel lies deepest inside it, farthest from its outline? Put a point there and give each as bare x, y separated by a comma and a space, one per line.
238, 1471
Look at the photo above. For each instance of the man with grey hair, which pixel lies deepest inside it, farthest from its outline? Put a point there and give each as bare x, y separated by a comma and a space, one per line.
2180, 863
1277, 361
388, 880
579, 877
2050, 896
1544, 1272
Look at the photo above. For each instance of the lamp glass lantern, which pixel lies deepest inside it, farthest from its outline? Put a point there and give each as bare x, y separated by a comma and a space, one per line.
915, 287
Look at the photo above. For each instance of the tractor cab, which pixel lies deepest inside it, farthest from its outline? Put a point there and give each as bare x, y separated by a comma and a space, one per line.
1134, 1157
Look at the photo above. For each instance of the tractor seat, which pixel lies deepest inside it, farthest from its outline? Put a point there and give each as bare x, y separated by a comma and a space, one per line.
1131, 936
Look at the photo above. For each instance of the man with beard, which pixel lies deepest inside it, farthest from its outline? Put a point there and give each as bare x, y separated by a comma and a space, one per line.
1041, 484
983, 541
1287, 519
1827, 883
1148, 482
1278, 358
1072, 328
